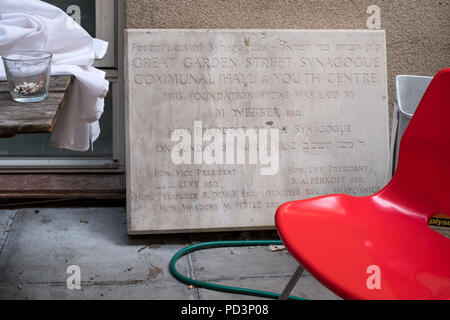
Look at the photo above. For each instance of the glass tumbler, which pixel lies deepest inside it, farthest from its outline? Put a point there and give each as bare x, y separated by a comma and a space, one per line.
28, 74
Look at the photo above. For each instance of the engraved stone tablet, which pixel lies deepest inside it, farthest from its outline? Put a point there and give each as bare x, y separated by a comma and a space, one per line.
223, 126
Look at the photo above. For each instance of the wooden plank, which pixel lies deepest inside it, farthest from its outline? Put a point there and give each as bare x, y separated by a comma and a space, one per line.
39, 117
18, 117
62, 186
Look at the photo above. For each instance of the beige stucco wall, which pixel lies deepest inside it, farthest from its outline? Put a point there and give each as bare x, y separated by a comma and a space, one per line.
417, 31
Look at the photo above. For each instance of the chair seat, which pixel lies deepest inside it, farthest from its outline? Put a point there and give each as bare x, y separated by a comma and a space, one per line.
338, 237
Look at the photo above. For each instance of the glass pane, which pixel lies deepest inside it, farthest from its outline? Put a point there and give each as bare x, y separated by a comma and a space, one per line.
36, 145
82, 11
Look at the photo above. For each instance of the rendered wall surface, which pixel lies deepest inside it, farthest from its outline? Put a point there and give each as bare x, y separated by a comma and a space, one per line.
417, 31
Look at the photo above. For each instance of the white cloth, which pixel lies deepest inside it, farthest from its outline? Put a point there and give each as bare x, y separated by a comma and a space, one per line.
37, 25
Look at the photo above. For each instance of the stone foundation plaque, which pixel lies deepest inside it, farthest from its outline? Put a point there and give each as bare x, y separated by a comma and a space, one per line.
223, 126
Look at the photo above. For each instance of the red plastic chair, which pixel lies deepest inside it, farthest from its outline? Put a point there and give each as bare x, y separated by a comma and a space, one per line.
342, 240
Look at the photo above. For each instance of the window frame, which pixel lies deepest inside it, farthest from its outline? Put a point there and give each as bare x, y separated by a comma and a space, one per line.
110, 29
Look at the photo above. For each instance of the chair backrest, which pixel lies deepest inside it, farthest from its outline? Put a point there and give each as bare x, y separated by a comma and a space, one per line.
424, 157
409, 92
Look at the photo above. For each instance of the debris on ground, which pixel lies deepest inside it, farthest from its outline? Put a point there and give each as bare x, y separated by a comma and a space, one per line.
151, 246
154, 271
276, 247
143, 248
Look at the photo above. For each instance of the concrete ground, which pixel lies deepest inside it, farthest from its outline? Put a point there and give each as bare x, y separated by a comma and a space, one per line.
38, 245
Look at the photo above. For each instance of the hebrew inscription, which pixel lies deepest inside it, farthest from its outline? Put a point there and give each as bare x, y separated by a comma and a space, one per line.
223, 126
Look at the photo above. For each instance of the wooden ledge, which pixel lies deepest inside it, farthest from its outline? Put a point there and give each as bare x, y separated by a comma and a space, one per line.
57, 185
36, 117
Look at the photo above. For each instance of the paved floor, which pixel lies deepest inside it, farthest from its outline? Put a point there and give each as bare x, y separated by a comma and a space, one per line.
38, 245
